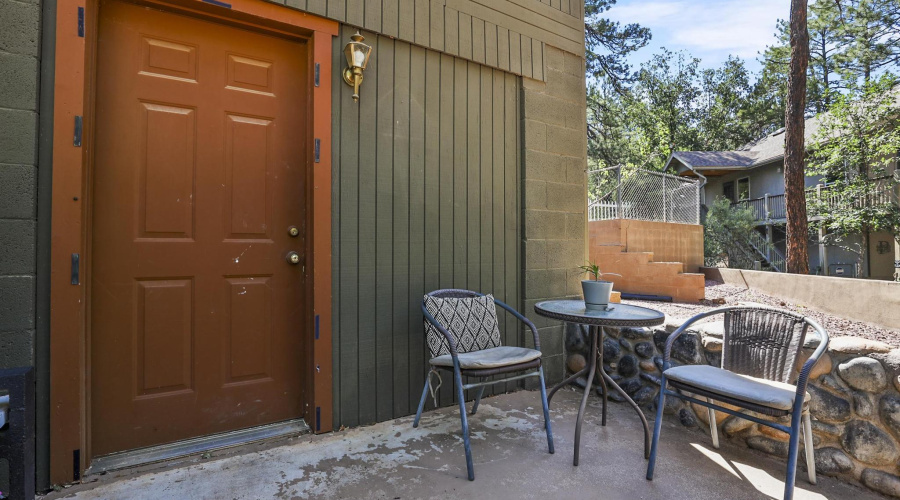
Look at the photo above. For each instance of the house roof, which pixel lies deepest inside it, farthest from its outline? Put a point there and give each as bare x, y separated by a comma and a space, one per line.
760, 152
704, 159
757, 153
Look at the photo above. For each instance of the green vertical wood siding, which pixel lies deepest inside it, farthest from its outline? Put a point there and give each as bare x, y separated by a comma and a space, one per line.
503, 34
426, 176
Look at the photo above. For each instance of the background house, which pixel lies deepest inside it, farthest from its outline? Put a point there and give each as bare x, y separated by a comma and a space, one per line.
754, 177
462, 165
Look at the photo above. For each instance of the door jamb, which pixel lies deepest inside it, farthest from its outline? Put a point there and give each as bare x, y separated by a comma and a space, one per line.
75, 68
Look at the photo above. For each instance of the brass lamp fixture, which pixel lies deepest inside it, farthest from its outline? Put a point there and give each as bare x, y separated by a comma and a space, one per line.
357, 54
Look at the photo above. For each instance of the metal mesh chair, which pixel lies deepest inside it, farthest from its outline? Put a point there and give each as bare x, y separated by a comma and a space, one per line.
518, 362
761, 348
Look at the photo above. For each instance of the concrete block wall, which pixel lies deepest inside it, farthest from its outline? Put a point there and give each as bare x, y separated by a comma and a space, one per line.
19, 81
555, 193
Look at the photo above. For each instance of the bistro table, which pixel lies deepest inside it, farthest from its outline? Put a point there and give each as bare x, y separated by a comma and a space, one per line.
615, 315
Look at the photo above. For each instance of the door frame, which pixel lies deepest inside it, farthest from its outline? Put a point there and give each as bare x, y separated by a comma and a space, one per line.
75, 71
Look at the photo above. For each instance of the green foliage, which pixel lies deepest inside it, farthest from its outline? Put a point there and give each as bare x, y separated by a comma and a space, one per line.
851, 42
869, 38
854, 150
672, 104
607, 44
724, 228
593, 269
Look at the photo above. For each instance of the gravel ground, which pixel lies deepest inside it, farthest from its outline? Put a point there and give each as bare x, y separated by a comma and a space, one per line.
719, 294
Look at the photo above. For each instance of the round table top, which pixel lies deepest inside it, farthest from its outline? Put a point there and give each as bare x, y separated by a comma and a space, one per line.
574, 311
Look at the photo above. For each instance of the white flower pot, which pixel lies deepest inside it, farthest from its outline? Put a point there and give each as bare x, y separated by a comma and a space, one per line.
596, 293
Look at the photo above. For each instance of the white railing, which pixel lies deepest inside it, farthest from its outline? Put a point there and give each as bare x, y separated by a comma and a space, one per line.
635, 193
767, 250
602, 211
772, 208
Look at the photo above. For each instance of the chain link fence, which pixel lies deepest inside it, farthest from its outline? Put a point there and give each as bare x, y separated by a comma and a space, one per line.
634, 193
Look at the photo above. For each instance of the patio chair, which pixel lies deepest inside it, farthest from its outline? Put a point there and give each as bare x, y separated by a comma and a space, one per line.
463, 337
759, 359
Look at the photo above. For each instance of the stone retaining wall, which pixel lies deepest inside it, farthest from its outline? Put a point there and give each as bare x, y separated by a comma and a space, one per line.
855, 391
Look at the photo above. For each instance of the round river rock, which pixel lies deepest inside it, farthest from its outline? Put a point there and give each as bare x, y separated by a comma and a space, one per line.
865, 374
869, 444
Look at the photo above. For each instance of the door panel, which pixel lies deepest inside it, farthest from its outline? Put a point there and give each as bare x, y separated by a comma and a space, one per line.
167, 171
197, 320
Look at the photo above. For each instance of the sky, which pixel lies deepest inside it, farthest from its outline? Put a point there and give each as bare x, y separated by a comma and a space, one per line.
707, 29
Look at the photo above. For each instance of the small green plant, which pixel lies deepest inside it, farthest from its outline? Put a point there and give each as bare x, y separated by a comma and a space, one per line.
594, 270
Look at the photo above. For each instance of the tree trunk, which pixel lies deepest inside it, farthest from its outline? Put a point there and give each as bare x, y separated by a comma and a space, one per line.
797, 260
825, 72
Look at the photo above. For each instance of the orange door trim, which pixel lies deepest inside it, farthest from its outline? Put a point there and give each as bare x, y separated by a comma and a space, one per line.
75, 71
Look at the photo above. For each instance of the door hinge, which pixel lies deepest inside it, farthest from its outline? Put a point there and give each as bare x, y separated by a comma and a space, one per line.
75, 265
76, 141
81, 22
318, 418
316, 78
317, 149
317, 327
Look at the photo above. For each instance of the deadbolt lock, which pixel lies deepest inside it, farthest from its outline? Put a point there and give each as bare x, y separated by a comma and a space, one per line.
293, 257
293, 231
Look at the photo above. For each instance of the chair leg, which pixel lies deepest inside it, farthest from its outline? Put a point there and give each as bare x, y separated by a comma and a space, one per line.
477, 399
657, 426
713, 426
808, 444
546, 405
422, 401
470, 467
793, 448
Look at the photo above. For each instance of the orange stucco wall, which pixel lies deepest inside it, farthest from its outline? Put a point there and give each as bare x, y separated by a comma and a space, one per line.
652, 258
669, 242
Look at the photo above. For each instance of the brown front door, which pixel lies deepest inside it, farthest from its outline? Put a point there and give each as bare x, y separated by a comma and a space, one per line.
198, 321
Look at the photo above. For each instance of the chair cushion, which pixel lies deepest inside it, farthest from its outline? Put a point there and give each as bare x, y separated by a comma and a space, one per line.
715, 380
494, 357
472, 321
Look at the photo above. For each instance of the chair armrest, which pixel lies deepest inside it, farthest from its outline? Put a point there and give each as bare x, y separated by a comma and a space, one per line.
523, 319
450, 342
803, 379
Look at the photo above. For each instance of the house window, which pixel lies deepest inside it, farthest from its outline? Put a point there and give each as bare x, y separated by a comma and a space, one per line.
728, 191
743, 188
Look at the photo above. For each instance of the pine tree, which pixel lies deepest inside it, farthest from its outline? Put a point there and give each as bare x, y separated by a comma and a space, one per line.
870, 34
797, 260
608, 43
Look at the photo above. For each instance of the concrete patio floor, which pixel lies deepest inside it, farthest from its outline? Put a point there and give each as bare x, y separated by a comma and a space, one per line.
394, 461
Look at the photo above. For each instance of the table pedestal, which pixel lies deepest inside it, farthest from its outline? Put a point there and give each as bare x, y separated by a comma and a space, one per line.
596, 358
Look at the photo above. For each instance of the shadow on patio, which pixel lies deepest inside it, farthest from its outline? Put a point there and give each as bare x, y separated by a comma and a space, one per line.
393, 460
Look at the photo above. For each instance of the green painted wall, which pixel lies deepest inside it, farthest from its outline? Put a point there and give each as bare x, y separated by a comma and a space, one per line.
511, 35
426, 195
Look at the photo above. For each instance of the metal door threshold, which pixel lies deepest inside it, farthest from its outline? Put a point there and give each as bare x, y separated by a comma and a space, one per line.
163, 452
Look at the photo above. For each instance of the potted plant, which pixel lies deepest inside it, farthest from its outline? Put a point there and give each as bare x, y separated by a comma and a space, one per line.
596, 291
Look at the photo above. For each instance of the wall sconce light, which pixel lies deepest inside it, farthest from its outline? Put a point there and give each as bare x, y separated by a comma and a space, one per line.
357, 54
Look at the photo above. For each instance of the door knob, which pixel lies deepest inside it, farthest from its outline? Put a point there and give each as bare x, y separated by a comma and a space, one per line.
293, 257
